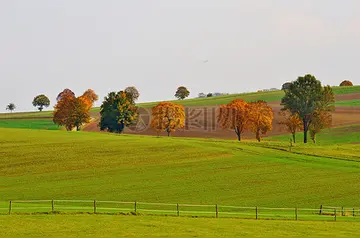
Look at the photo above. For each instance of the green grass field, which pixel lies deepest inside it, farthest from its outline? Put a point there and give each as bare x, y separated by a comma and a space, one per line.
70, 165
40, 164
44, 124
43, 114
152, 226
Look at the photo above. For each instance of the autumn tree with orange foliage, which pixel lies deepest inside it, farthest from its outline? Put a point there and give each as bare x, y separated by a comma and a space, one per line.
320, 120
71, 111
235, 116
261, 117
292, 122
167, 116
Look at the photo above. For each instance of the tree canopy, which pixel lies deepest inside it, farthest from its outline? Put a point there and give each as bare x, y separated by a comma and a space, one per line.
285, 86
167, 116
41, 101
234, 116
71, 111
346, 83
11, 107
304, 97
261, 117
117, 112
132, 94
292, 123
182, 93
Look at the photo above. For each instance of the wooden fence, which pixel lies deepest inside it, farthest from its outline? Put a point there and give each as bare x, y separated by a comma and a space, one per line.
324, 213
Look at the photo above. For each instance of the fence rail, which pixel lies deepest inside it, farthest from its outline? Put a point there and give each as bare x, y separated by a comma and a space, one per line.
325, 213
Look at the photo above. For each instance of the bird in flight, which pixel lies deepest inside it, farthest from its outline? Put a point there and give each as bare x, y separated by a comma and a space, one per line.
205, 61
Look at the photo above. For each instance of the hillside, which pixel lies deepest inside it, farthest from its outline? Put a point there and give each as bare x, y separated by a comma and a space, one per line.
201, 114
71, 165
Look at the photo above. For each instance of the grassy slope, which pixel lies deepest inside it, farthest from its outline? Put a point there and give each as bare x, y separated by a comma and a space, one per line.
63, 165
45, 124
122, 226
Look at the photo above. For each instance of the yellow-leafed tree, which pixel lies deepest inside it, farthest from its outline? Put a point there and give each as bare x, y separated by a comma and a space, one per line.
234, 116
261, 118
320, 120
292, 122
167, 116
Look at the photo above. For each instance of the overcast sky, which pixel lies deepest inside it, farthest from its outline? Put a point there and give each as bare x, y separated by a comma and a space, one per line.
158, 45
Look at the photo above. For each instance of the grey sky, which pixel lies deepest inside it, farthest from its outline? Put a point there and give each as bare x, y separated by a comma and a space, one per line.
157, 45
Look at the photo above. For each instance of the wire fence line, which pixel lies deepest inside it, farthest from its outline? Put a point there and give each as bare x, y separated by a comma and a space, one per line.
324, 213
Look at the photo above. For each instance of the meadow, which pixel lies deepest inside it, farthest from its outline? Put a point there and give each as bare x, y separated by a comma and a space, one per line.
44, 124
152, 226
68, 165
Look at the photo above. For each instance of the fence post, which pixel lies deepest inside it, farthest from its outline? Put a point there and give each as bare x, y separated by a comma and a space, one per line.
10, 207
217, 211
321, 208
52, 206
335, 214
177, 208
296, 213
342, 211
94, 206
257, 212
135, 207
353, 212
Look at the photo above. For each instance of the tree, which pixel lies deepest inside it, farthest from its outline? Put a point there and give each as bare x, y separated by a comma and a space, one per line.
117, 112
182, 92
79, 114
132, 94
89, 97
261, 117
234, 116
167, 116
11, 107
41, 101
201, 95
286, 86
292, 123
209, 95
321, 117
304, 96
346, 83
71, 111
320, 120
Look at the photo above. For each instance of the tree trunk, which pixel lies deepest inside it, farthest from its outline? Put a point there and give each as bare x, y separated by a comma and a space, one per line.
294, 140
258, 135
77, 128
305, 130
238, 134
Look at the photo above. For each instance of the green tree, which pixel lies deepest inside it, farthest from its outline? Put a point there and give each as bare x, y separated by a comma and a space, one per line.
132, 94
11, 107
182, 93
117, 112
285, 86
41, 101
305, 96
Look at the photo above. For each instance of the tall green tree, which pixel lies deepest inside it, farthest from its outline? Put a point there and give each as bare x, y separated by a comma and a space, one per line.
182, 93
10, 107
117, 112
41, 101
306, 96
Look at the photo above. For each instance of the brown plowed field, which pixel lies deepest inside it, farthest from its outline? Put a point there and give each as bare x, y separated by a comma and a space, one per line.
201, 122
